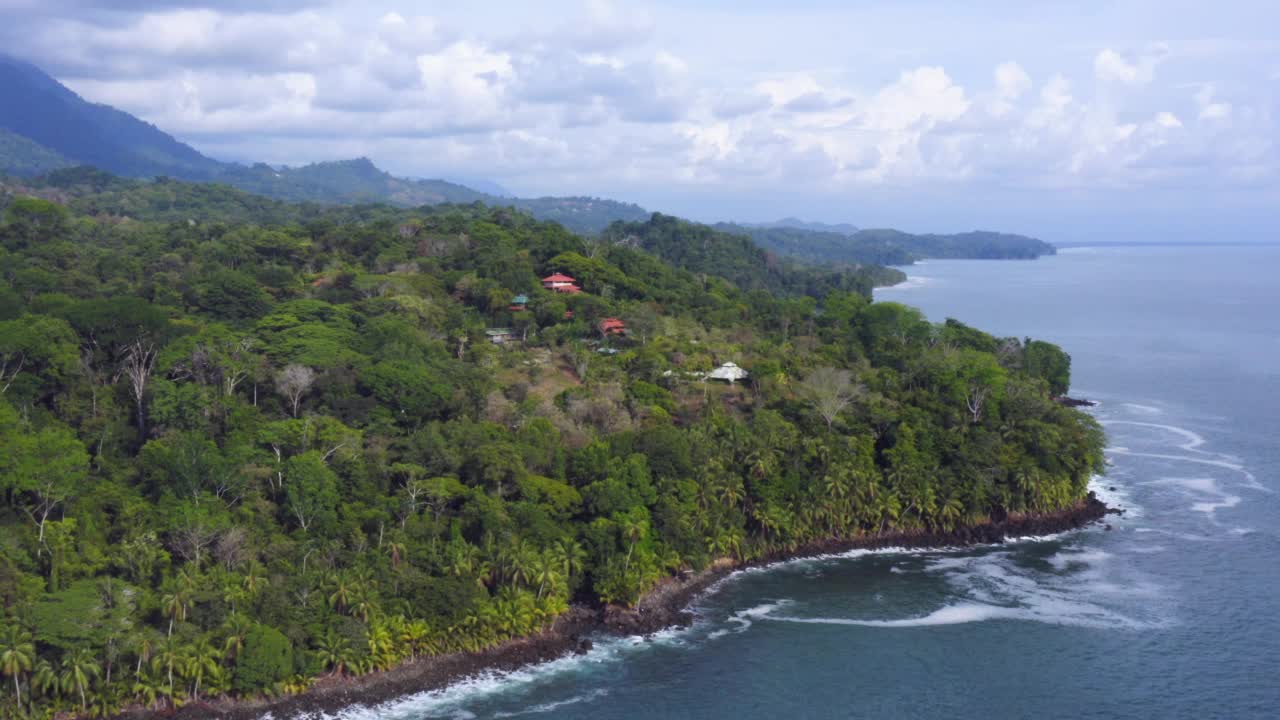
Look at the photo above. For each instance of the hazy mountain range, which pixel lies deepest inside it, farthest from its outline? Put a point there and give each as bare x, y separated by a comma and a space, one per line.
44, 126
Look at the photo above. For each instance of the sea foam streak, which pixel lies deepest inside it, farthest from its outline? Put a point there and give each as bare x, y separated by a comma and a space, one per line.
451, 701
995, 586
1193, 440
556, 705
949, 615
912, 282
1209, 497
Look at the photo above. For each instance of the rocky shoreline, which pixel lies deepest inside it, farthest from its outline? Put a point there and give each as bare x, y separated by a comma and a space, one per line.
665, 606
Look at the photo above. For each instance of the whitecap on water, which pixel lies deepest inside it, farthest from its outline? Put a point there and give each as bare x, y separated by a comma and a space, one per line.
743, 619
912, 282
556, 705
452, 701
1192, 440
1079, 588
1115, 495
1208, 497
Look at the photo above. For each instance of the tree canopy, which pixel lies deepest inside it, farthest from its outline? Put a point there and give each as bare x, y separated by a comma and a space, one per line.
238, 454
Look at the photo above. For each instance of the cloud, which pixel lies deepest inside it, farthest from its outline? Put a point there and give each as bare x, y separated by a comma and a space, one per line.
1210, 109
608, 96
815, 102
726, 105
1111, 66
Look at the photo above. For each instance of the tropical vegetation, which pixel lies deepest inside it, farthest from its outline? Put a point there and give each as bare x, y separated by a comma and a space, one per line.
240, 454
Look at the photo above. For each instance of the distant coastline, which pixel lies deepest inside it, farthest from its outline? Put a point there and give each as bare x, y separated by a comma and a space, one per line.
664, 606
1167, 243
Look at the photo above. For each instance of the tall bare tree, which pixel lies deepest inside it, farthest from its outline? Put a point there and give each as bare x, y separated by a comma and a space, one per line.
293, 382
830, 390
139, 362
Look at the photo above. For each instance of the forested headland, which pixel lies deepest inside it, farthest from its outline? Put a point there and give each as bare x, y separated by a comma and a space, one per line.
244, 444
888, 247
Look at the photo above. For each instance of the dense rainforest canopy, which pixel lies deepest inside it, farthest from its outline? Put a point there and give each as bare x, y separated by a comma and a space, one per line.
239, 453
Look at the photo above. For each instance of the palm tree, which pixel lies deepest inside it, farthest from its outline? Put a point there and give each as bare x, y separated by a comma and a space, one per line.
17, 656
147, 688
396, 550
176, 605
416, 634
79, 668
544, 572
950, 512
237, 626
364, 602
634, 530
570, 556
334, 651
381, 646
253, 583
732, 493
143, 643
343, 588
202, 659
519, 563
168, 657
45, 679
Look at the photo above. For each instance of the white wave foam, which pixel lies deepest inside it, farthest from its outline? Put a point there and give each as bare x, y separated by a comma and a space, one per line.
948, 615
1250, 480
556, 705
1208, 495
1114, 495
1177, 535
1068, 559
451, 701
743, 619
1193, 440
1142, 409
1082, 589
912, 282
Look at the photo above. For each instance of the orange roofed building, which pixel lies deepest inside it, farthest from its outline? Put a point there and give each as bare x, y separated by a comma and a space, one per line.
612, 326
561, 283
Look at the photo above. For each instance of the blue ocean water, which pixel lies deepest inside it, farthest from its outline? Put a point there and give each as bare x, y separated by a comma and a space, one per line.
1173, 613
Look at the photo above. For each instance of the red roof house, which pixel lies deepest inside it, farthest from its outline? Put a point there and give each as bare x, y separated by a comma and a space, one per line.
551, 281
612, 326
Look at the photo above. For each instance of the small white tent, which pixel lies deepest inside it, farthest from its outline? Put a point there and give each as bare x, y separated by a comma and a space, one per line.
728, 372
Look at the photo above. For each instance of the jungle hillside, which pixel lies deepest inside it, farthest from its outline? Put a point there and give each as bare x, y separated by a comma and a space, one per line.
246, 443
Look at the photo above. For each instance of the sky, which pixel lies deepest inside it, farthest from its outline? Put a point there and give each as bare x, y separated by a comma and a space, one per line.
1070, 121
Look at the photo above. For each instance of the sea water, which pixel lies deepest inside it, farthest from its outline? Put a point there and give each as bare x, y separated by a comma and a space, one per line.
1172, 613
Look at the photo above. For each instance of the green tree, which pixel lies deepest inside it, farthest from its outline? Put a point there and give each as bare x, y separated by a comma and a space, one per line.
17, 657
267, 658
79, 670
311, 489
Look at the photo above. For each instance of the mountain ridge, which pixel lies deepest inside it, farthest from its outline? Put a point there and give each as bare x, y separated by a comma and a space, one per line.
49, 128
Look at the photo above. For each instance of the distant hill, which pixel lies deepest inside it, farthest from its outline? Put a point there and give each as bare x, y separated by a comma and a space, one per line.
44, 126
888, 247
708, 250
24, 156
45, 112
345, 182
798, 224
586, 215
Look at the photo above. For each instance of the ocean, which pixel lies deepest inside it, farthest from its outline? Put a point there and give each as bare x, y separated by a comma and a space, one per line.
1173, 612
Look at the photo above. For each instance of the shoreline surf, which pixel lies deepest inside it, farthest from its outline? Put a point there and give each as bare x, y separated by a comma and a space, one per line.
665, 606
